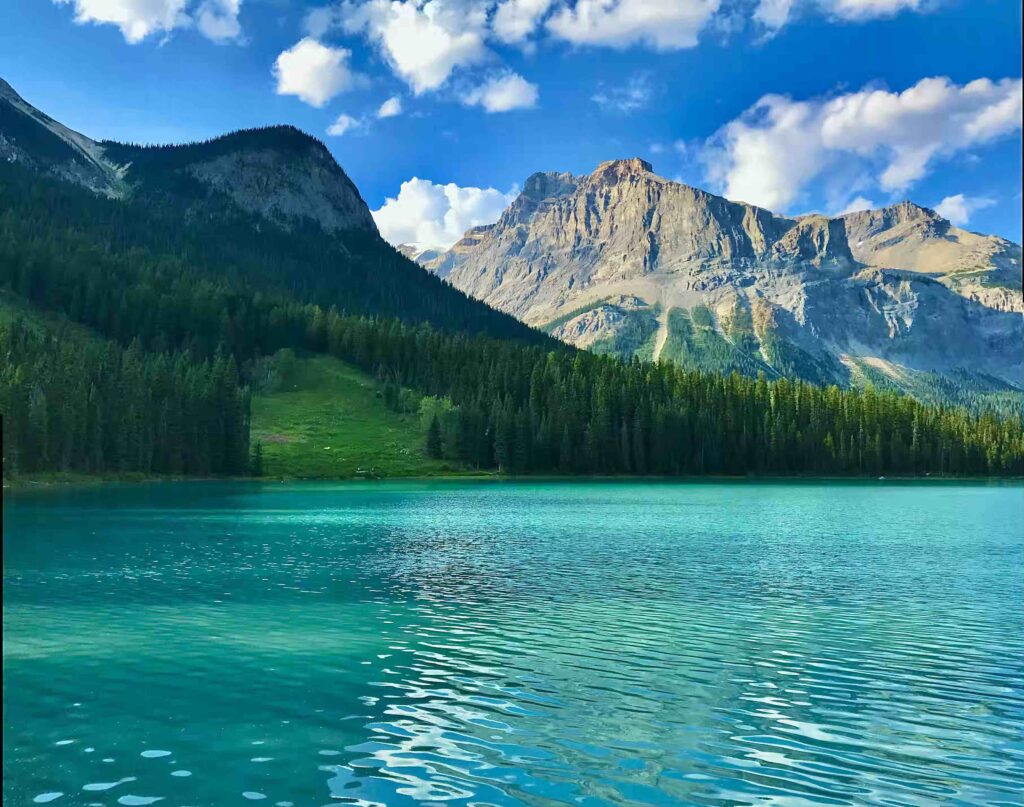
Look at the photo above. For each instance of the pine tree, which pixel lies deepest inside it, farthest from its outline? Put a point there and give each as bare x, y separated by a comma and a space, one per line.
434, 448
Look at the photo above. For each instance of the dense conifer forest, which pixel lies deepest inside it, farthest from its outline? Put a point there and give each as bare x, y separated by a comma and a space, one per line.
186, 304
73, 402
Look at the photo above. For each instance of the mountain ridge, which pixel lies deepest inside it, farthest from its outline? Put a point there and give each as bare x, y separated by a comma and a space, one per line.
277, 172
190, 291
627, 262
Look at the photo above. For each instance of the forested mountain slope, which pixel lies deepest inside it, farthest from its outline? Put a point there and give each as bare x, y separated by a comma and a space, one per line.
187, 269
269, 207
72, 400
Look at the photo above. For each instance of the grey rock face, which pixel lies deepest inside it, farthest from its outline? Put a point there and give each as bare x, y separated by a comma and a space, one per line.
889, 296
285, 187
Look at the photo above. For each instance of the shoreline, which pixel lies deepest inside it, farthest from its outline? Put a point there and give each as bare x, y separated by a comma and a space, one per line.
67, 480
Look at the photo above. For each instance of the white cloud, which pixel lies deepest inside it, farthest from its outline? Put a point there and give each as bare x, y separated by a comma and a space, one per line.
342, 124
773, 14
503, 93
515, 20
319, 21
432, 215
958, 208
856, 205
218, 19
137, 19
869, 9
390, 108
313, 71
774, 149
423, 42
629, 97
660, 24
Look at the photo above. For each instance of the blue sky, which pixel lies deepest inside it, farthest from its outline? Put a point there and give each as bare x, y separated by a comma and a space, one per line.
797, 105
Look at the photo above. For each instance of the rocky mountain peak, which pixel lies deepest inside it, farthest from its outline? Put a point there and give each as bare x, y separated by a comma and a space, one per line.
548, 184
613, 171
905, 214
627, 262
33, 139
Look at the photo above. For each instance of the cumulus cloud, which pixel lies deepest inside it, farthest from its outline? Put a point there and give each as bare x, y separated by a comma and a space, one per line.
958, 208
856, 205
774, 149
660, 24
430, 215
503, 93
515, 20
869, 9
423, 43
342, 124
218, 19
631, 96
137, 19
390, 108
773, 14
313, 71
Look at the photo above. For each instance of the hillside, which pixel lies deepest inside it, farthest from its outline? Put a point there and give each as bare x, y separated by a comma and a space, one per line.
625, 262
327, 420
73, 401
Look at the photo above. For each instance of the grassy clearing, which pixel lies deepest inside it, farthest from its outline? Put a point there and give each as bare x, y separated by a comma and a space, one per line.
329, 421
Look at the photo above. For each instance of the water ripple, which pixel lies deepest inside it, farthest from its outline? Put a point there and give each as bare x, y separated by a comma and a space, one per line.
474, 644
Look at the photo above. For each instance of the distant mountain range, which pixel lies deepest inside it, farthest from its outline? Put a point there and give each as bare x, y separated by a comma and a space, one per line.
626, 262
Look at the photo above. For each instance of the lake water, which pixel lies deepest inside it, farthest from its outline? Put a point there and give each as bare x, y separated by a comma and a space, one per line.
514, 643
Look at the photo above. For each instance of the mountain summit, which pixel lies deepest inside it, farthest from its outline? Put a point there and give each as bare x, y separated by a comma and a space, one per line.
628, 262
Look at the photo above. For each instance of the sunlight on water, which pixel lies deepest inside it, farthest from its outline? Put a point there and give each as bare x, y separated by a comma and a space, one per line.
505, 644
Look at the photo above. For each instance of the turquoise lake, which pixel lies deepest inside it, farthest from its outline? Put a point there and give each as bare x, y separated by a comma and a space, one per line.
518, 643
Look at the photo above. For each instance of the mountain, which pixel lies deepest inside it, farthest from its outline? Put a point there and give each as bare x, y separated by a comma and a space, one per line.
32, 139
269, 207
277, 173
626, 262
422, 255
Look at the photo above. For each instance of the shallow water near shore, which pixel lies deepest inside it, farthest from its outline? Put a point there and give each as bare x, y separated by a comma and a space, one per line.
504, 643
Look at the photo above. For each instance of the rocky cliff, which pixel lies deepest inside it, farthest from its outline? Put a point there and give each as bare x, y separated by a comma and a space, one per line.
985, 268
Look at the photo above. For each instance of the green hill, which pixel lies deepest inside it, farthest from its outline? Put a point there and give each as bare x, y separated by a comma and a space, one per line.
329, 420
